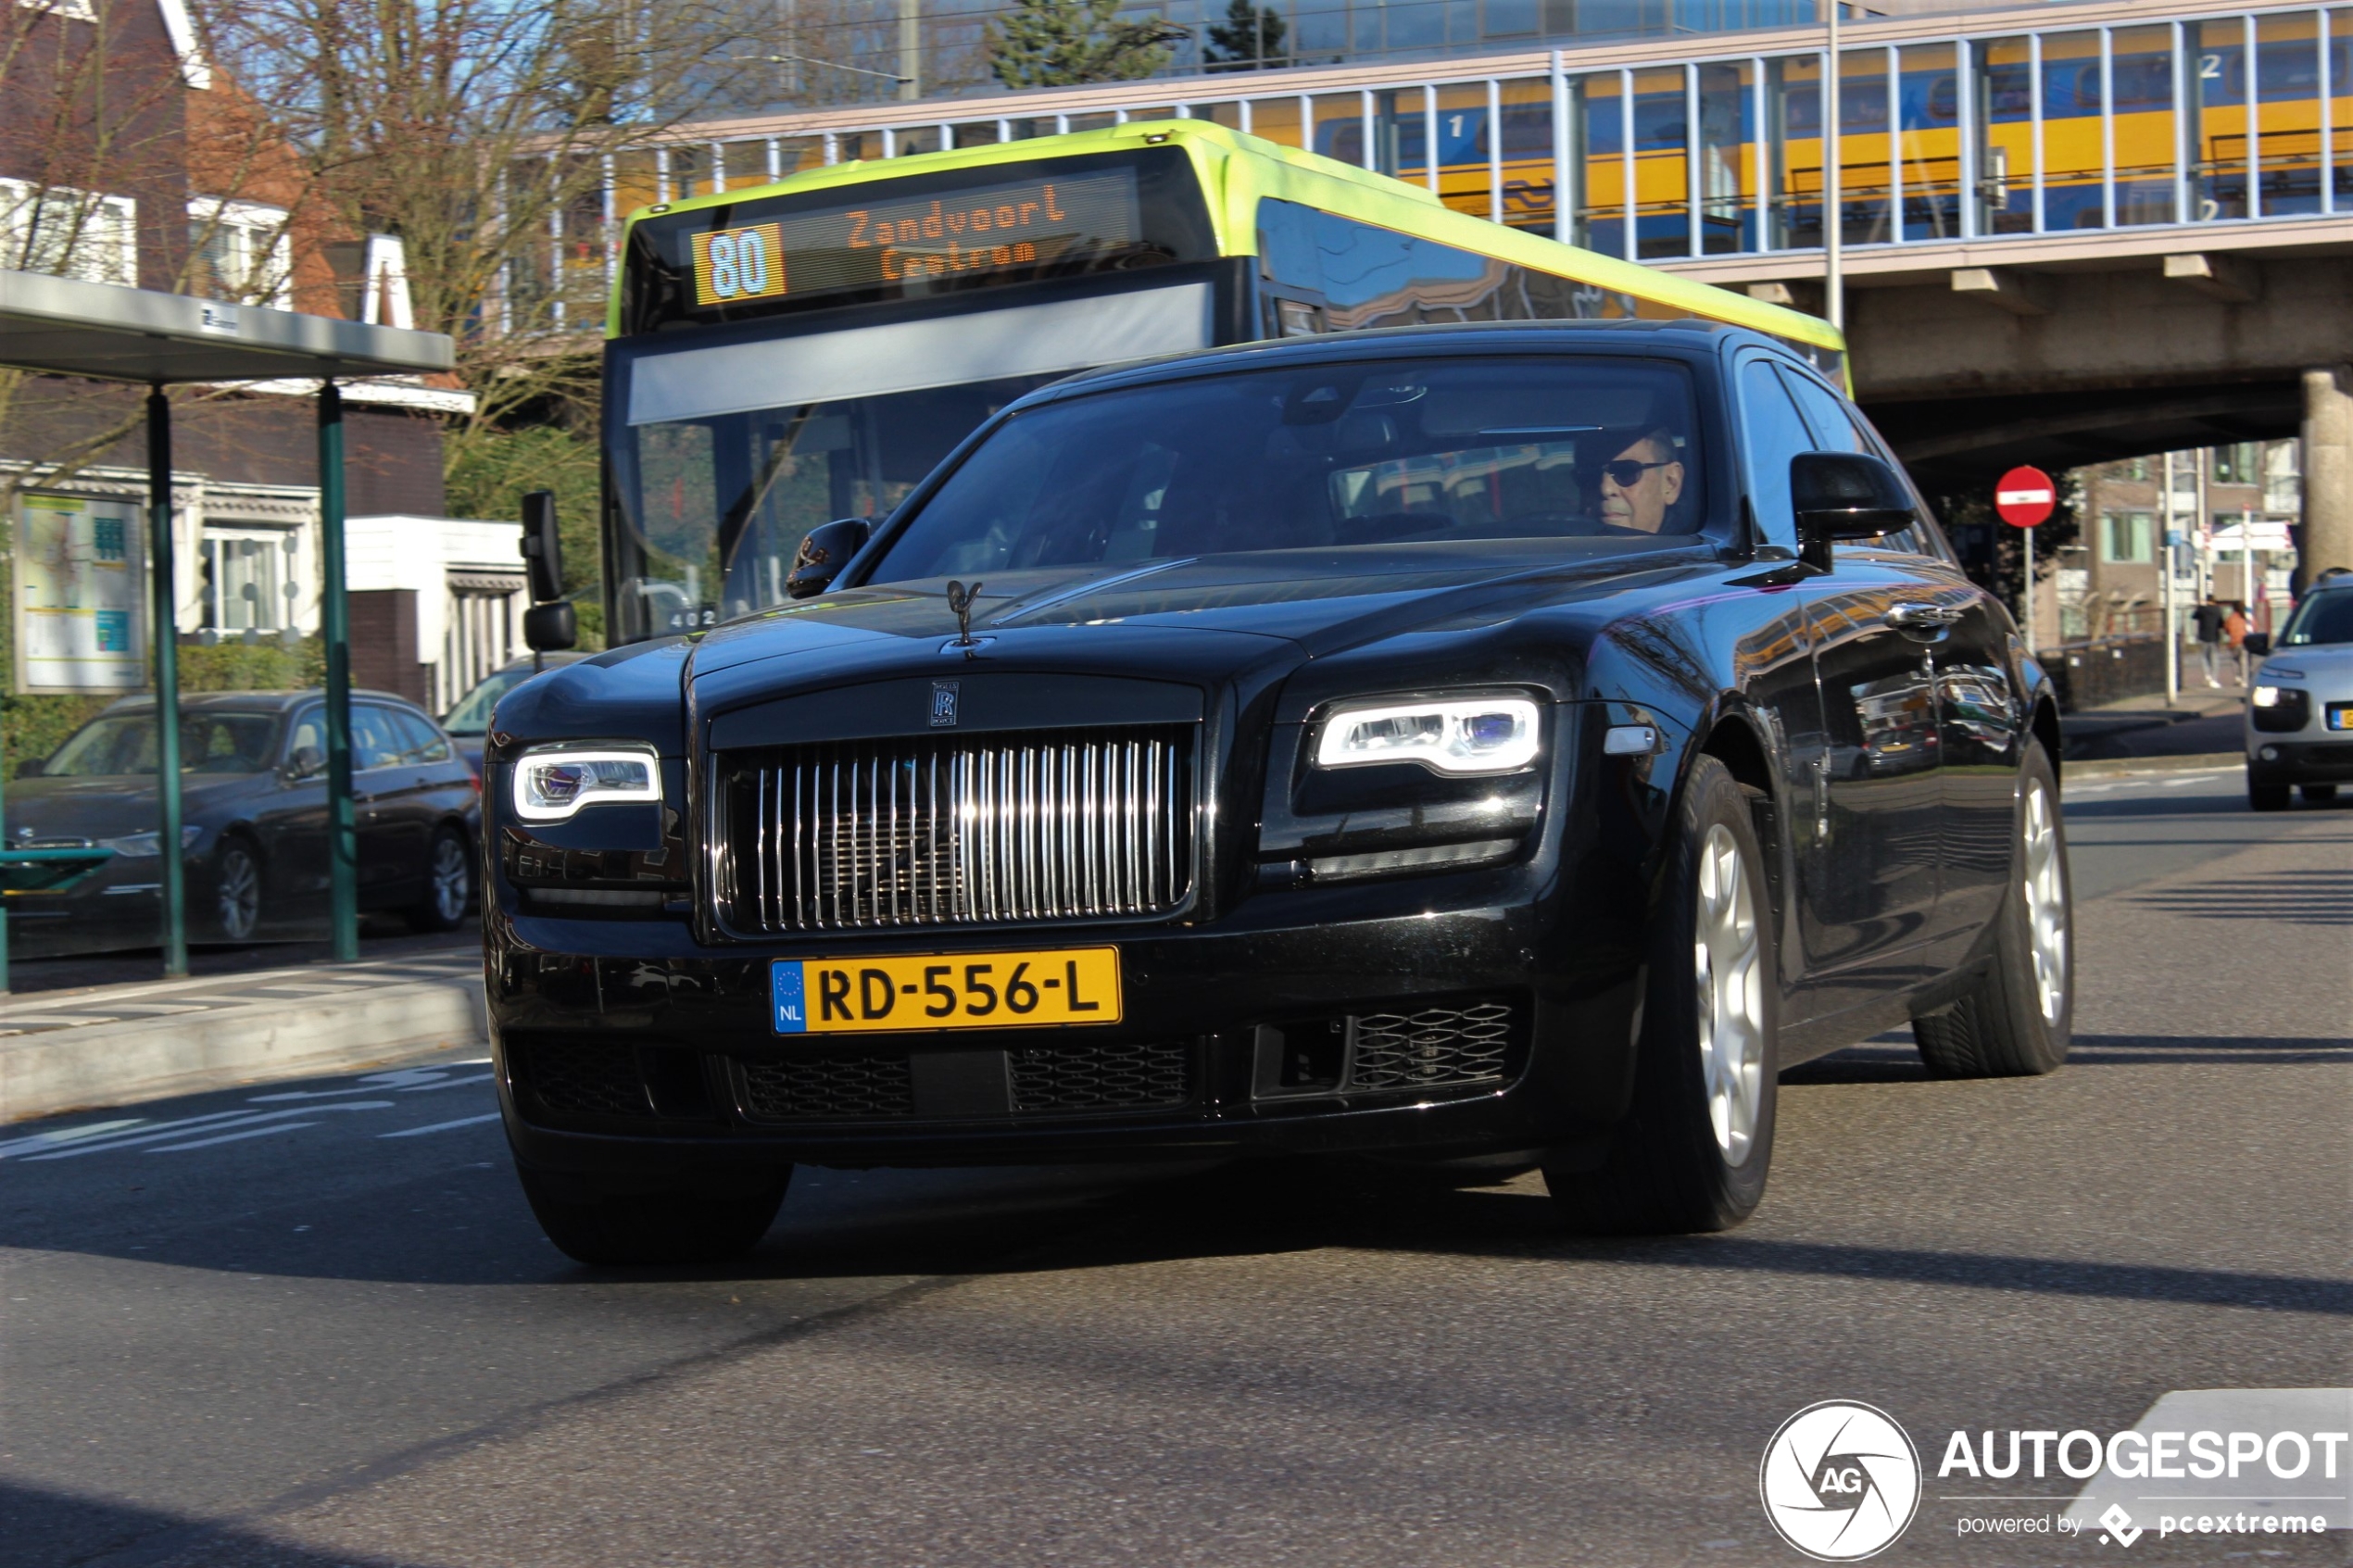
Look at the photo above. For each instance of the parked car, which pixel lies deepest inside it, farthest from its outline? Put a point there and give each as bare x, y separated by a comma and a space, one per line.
2299, 715
467, 720
1458, 745
254, 808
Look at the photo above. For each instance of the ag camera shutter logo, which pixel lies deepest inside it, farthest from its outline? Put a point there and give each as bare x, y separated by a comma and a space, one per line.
1840, 1481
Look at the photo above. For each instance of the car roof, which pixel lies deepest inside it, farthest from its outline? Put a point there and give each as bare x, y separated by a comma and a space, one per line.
1683, 338
251, 702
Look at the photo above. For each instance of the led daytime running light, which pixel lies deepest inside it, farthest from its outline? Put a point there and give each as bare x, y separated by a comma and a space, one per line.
553, 784
1496, 734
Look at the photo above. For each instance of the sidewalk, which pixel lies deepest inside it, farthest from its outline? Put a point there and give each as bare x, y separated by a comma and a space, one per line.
2202, 721
109, 1045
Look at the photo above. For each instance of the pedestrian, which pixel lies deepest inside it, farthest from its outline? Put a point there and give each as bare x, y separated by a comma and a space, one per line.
2207, 621
2234, 625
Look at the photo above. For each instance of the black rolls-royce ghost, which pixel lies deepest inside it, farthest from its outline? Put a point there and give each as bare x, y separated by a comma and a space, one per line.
1482, 747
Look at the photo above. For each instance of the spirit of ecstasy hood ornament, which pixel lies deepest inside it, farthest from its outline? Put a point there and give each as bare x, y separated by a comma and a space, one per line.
959, 604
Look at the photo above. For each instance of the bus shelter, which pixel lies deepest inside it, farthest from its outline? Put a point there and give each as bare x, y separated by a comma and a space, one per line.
63, 326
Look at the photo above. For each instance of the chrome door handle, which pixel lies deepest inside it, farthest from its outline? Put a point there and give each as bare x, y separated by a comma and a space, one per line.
1917, 615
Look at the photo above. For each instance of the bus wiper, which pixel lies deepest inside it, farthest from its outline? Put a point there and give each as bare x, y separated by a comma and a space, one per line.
732, 526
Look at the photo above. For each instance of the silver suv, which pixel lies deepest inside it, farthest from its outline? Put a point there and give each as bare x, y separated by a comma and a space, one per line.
2300, 719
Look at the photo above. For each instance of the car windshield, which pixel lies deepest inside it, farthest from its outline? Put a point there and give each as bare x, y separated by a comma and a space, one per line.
1359, 454
2321, 618
472, 716
114, 745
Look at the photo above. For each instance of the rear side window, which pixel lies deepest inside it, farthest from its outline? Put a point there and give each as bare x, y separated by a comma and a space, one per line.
420, 742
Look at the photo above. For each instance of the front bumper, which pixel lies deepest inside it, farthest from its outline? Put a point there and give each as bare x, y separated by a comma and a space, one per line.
2309, 756
1499, 1019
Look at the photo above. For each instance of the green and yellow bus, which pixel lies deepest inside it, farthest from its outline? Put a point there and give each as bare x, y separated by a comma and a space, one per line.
783, 356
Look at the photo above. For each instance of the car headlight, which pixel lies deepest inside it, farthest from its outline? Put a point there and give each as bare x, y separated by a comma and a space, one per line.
554, 782
1484, 734
139, 846
2267, 697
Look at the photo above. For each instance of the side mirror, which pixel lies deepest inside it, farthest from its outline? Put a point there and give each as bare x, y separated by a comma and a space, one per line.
550, 628
543, 550
30, 768
1844, 495
2257, 642
306, 761
824, 551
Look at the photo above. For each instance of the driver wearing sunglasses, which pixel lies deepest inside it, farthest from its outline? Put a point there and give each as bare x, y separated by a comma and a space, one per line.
1641, 483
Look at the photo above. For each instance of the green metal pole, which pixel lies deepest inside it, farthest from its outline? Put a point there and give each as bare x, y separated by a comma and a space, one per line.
334, 617
162, 577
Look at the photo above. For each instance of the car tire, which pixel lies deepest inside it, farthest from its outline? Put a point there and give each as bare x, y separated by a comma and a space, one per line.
2269, 796
637, 1229
2318, 794
1692, 1150
2017, 1019
449, 884
237, 905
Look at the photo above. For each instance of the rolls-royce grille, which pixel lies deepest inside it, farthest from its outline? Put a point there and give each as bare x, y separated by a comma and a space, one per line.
943, 832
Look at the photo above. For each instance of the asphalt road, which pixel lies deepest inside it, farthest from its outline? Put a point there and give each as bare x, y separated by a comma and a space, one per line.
315, 1323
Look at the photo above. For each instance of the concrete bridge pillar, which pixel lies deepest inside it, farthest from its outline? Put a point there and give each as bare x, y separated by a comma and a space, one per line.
2328, 470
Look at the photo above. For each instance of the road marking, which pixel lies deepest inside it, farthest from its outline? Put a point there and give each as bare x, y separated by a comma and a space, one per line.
205, 1123
440, 1127
448, 1084
233, 1137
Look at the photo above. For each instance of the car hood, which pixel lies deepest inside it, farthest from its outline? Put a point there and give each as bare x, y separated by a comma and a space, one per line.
2324, 663
110, 807
1207, 616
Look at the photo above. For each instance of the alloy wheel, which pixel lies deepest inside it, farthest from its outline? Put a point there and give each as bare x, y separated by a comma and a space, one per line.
240, 894
2045, 892
1727, 956
449, 879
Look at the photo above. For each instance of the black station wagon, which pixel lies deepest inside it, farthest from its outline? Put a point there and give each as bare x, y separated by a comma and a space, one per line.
1487, 748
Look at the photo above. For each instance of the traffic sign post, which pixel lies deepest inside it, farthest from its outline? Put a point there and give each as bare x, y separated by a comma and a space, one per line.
2023, 499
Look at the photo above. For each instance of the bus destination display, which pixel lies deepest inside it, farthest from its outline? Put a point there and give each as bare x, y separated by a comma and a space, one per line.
986, 229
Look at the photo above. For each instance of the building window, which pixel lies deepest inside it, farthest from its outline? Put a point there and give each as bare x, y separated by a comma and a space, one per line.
239, 251
2241, 463
2127, 537
248, 579
68, 232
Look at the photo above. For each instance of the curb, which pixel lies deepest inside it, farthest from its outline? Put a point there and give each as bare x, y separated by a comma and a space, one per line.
2120, 767
108, 1064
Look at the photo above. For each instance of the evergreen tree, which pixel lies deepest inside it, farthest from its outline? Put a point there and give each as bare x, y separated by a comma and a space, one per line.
1065, 42
1249, 39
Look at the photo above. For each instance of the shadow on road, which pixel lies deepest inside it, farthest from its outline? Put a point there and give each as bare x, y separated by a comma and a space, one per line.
2292, 897
42, 1526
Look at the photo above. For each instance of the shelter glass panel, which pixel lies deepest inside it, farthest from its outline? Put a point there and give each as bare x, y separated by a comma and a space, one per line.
978, 133
1465, 180
1340, 126
1401, 133
1102, 120
1276, 120
1529, 195
908, 140
745, 163
1598, 104
1662, 166
1929, 143
2287, 96
2142, 123
2340, 104
1727, 172
1794, 152
2218, 80
852, 144
797, 153
2002, 72
1866, 172
2074, 131
636, 182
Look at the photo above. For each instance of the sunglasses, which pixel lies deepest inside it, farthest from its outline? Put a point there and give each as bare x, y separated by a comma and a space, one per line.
1626, 472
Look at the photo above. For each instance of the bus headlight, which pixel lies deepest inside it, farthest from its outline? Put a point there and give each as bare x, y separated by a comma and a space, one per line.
554, 782
1487, 734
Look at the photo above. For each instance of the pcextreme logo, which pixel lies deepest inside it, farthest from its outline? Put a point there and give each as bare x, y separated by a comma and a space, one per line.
1840, 1481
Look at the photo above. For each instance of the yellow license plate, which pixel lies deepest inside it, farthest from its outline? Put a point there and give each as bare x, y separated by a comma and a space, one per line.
956, 991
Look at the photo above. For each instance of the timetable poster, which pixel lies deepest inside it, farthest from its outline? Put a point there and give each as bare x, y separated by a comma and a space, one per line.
81, 588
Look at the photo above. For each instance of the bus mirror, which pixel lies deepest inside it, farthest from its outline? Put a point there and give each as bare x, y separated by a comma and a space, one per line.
550, 628
543, 551
824, 551
1844, 495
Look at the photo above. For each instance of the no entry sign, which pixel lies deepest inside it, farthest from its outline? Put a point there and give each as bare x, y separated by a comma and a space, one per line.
2025, 496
